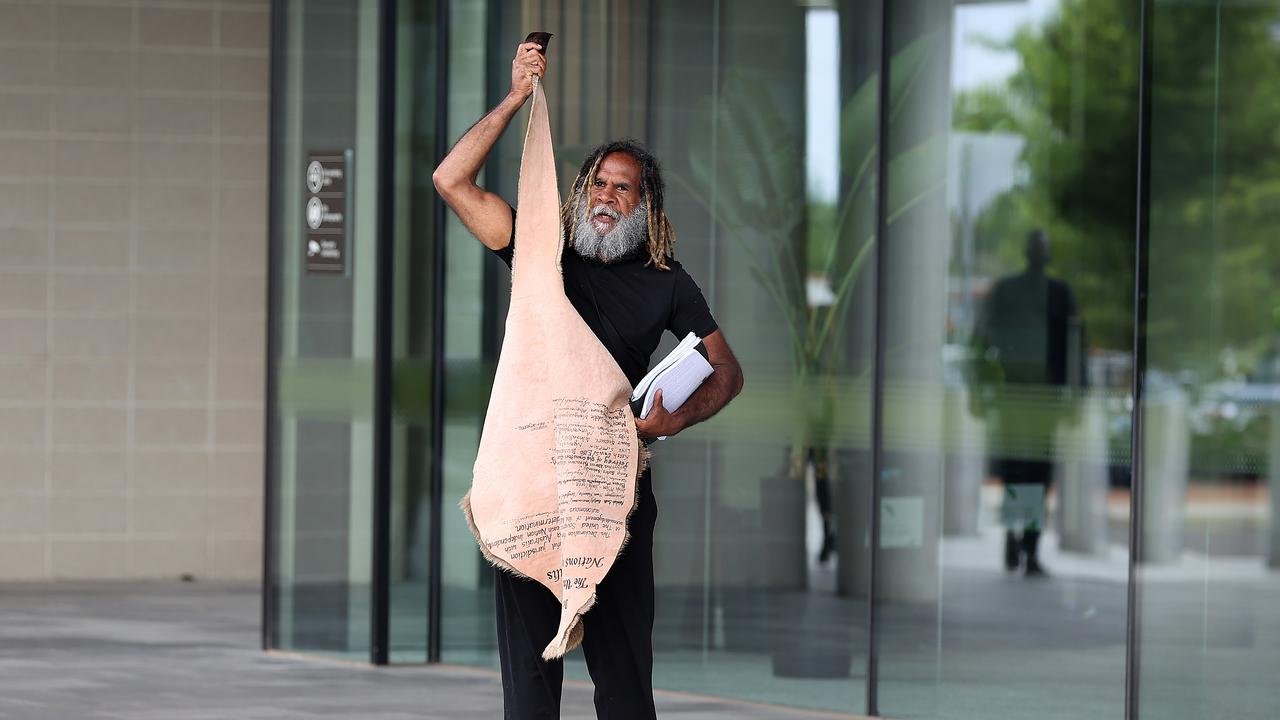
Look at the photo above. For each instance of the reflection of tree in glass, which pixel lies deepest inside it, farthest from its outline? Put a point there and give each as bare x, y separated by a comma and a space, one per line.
1215, 187
1073, 100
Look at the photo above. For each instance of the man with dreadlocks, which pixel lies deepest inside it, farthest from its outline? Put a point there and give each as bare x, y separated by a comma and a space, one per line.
621, 275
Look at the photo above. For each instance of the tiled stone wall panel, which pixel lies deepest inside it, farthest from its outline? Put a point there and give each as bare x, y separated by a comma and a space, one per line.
133, 184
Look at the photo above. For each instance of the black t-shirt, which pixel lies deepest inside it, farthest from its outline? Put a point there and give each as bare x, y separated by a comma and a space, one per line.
628, 305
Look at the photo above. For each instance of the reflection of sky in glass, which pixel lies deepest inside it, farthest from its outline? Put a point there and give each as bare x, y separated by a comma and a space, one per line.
822, 96
972, 64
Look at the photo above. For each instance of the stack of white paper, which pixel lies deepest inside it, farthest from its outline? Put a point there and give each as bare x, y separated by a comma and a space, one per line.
677, 376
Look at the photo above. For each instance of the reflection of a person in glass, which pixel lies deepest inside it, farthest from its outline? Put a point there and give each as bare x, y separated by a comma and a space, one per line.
1027, 352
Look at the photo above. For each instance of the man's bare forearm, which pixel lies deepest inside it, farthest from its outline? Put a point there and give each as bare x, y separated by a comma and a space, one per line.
464, 161
715, 392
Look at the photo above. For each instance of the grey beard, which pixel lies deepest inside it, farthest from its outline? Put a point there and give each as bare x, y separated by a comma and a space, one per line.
630, 233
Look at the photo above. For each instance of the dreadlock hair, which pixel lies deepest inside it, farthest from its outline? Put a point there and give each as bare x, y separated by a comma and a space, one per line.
662, 238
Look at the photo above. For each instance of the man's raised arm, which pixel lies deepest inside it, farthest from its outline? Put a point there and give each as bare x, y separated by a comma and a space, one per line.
484, 213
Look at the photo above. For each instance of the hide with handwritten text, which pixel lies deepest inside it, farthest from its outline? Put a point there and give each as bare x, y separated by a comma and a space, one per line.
555, 476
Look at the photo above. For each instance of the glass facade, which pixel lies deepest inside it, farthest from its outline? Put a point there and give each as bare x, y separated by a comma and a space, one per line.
1000, 279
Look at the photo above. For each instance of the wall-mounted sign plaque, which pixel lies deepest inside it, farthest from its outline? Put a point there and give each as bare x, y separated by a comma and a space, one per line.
325, 212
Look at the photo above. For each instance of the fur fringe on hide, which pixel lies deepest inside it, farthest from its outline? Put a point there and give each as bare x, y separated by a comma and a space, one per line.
494, 560
572, 638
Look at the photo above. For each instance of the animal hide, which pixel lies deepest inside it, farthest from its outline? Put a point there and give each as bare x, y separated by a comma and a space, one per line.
555, 477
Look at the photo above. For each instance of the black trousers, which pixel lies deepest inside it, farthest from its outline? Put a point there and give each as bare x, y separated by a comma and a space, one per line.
618, 639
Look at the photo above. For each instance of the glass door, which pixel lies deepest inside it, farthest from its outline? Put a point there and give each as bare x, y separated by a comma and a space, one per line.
1208, 573
1007, 302
323, 344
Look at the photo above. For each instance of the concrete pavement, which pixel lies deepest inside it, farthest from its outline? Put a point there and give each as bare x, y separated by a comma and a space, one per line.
170, 651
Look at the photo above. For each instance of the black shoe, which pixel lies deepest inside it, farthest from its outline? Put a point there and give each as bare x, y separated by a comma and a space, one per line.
828, 544
1012, 552
1030, 547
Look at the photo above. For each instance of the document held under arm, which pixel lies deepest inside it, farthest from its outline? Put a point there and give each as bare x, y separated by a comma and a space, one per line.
677, 375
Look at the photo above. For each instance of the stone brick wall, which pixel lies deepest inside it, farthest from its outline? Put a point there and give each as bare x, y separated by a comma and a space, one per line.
133, 201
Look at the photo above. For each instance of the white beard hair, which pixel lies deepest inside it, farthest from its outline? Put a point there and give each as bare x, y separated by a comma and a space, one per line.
630, 232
